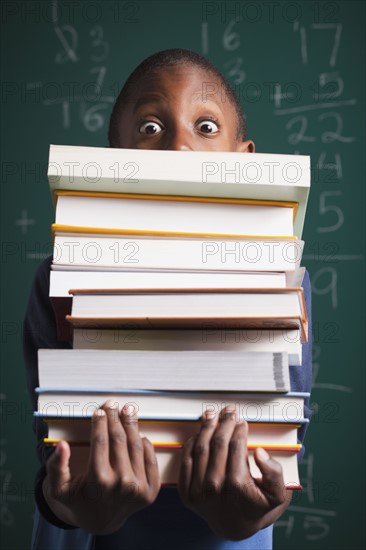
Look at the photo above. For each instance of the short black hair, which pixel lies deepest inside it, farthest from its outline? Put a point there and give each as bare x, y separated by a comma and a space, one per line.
171, 58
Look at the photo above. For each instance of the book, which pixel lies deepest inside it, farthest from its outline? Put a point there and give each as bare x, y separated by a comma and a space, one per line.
177, 308
169, 460
163, 215
253, 407
132, 252
271, 436
209, 339
63, 279
164, 370
255, 176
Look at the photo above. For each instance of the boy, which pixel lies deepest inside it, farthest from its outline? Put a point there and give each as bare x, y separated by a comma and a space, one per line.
174, 100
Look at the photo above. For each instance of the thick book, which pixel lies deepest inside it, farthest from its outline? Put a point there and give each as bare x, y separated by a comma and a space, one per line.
164, 370
255, 176
202, 308
253, 407
172, 216
169, 461
175, 340
64, 278
133, 252
271, 436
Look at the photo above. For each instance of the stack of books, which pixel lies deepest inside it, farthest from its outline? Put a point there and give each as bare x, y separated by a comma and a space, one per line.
177, 302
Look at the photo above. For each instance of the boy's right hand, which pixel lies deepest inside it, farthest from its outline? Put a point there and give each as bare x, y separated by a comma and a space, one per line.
121, 477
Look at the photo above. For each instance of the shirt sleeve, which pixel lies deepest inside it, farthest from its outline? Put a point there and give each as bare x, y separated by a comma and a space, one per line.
301, 377
40, 331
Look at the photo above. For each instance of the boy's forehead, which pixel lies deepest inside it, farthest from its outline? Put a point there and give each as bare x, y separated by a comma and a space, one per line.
178, 78
196, 84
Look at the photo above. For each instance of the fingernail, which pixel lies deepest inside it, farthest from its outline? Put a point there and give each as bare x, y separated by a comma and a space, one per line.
209, 414
262, 453
129, 410
98, 413
111, 404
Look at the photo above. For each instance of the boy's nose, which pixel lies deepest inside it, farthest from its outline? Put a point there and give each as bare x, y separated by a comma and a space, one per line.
179, 140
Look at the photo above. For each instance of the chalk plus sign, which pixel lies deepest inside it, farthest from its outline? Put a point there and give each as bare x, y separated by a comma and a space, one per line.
24, 221
278, 95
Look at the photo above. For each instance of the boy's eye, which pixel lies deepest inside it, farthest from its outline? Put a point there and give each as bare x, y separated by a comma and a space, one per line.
208, 127
150, 128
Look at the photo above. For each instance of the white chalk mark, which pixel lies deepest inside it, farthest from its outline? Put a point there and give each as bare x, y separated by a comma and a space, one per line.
303, 108
24, 221
337, 38
70, 51
335, 387
76, 99
331, 257
278, 95
304, 51
204, 35
312, 511
33, 85
54, 11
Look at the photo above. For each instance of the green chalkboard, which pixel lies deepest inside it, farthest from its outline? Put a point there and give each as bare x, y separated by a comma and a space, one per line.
298, 68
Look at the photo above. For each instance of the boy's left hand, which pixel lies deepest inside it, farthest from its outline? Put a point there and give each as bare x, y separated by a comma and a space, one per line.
215, 481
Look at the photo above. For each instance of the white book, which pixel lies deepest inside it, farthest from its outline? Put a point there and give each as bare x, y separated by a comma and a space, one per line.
253, 407
63, 279
173, 216
233, 308
192, 173
164, 370
133, 253
207, 339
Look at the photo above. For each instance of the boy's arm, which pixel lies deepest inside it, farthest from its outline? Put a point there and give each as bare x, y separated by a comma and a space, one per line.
40, 331
129, 485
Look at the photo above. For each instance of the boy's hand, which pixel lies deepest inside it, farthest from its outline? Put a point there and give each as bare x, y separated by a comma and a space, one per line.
215, 481
121, 478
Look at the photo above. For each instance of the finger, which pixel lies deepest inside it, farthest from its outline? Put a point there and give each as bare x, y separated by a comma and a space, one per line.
150, 465
201, 450
237, 469
117, 439
186, 469
58, 470
99, 445
271, 484
219, 449
134, 442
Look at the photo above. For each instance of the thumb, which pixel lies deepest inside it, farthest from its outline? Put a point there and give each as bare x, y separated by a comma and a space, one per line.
58, 470
272, 483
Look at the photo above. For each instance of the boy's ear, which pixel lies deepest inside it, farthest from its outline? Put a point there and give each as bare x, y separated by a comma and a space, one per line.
247, 146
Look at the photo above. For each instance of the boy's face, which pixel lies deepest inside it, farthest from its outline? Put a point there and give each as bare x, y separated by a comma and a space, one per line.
181, 109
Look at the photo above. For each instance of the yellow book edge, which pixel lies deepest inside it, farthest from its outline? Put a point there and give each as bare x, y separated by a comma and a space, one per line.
61, 228
178, 198
179, 444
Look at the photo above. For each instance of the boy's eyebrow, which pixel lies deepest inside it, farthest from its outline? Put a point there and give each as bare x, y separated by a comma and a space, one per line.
205, 98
